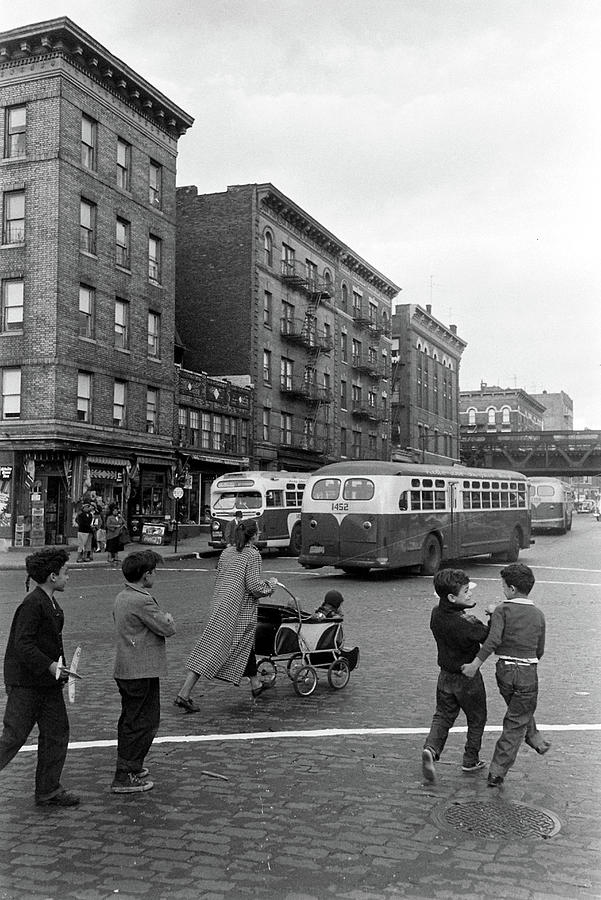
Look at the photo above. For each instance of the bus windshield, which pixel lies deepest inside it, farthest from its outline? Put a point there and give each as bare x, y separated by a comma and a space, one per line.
238, 500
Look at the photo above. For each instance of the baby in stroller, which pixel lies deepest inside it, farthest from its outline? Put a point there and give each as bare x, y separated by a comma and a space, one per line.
331, 609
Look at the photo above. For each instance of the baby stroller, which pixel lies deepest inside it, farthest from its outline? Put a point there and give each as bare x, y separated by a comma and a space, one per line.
304, 643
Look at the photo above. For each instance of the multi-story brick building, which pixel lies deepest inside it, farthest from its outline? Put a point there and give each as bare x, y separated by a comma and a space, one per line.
87, 278
496, 409
559, 411
425, 399
263, 289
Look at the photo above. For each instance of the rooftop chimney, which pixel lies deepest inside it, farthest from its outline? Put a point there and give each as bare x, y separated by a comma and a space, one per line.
453, 329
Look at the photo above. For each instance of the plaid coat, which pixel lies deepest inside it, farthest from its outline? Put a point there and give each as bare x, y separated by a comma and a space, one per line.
227, 641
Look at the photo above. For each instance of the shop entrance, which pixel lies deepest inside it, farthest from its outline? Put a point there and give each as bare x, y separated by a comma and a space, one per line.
55, 512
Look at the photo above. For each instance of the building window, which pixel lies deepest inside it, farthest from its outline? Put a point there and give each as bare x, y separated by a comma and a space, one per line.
471, 415
87, 226
268, 247
506, 415
89, 139
121, 324
344, 298
13, 226
356, 352
119, 411
205, 435
15, 124
286, 366
312, 276
343, 395
491, 416
266, 424
357, 446
287, 320
267, 309
84, 397
11, 393
217, 426
86, 311
287, 260
285, 429
154, 258
155, 184
151, 410
12, 304
123, 164
194, 427
267, 366
122, 243
343, 346
343, 442
154, 334
357, 304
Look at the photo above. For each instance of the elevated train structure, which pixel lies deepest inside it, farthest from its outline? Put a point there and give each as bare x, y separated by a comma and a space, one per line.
554, 453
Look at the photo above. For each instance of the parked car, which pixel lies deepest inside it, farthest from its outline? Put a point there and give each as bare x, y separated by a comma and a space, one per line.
586, 506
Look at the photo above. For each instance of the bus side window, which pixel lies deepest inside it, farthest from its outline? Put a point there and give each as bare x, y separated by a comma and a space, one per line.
440, 501
416, 500
403, 503
273, 498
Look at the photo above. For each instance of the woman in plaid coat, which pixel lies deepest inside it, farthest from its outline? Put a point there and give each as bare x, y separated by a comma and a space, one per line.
226, 648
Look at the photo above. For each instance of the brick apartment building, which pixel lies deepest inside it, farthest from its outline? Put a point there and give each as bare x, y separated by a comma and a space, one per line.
495, 409
264, 290
559, 410
87, 270
425, 398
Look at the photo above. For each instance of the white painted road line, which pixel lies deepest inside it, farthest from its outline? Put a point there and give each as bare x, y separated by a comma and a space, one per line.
300, 735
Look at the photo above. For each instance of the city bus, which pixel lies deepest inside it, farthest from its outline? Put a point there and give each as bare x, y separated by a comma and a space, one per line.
272, 498
360, 515
552, 503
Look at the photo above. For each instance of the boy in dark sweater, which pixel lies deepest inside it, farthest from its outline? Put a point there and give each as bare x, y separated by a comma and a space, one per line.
35, 695
458, 637
517, 636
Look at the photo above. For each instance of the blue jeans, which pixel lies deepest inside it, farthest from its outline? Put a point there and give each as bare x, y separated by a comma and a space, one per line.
25, 708
138, 723
519, 689
455, 692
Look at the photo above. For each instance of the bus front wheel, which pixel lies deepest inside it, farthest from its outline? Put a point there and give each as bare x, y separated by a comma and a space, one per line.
431, 556
294, 548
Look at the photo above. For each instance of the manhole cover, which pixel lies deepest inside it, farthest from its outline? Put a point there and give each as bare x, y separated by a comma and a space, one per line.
499, 819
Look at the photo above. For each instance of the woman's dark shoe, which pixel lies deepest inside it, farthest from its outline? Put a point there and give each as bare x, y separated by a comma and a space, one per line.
256, 691
186, 703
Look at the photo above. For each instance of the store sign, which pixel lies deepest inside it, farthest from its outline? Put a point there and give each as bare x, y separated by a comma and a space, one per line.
6, 472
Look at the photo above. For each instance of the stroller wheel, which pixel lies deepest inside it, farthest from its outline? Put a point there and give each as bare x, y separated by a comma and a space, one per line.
266, 671
339, 674
294, 664
305, 681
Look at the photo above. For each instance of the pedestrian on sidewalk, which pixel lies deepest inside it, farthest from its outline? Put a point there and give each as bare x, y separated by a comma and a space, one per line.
35, 695
517, 636
458, 637
141, 660
85, 532
114, 525
226, 647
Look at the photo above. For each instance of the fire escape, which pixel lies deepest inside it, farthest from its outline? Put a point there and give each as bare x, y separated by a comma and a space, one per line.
315, 341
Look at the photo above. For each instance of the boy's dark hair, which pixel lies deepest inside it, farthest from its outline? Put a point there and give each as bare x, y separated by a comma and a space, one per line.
449, 581
44, 563
519, 576
137, 563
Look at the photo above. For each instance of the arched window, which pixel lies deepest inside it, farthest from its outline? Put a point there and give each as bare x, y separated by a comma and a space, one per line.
327, 281
268, 245
505, 415
471, 415
344, 298
491, 415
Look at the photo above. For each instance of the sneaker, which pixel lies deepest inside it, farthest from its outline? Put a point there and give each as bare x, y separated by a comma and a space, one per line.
495, 780
428, 770
133, 784
143, 773
473, 766
63, 799
187, 704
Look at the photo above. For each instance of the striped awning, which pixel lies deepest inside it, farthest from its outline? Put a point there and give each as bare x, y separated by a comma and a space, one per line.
107, 461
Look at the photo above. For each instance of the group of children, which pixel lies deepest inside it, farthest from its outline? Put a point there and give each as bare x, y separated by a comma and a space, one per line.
516, 633
34, 678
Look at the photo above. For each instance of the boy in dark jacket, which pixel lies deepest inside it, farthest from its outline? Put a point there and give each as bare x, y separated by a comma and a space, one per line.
35, 696
458, 637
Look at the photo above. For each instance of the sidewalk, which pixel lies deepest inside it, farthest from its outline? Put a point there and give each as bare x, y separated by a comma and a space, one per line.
189, 548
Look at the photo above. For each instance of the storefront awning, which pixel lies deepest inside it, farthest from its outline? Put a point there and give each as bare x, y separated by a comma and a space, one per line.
154, 461
107, 461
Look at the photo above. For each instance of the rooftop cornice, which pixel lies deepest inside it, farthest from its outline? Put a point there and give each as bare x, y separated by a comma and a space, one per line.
273, 199
431, 324
64, 38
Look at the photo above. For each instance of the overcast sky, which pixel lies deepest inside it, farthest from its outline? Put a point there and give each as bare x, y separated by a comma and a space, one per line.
454, 144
